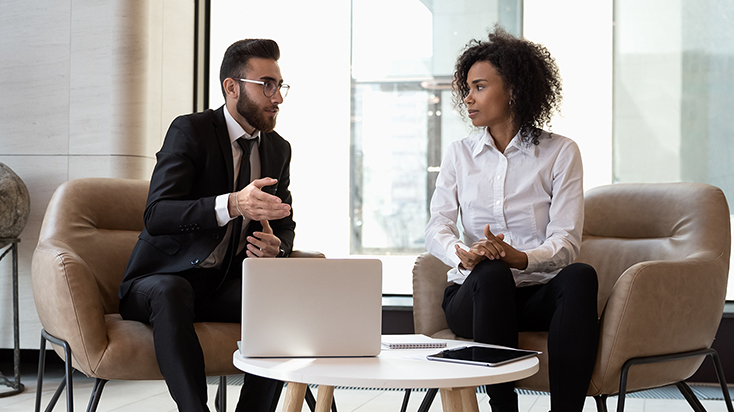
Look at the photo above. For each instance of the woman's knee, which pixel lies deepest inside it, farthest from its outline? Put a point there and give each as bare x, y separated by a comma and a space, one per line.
578, 285
579, 277
491, 275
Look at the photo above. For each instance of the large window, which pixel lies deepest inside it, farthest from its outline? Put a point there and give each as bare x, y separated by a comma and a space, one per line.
403, 53
674, 93
370, 110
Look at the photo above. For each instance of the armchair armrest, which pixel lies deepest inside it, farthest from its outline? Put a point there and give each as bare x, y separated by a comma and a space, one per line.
306, 254
68, 304
660, 307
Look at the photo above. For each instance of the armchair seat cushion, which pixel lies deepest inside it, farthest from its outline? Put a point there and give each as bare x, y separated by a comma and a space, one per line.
132, 342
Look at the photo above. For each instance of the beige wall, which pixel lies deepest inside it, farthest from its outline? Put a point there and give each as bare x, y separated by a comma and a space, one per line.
87, 89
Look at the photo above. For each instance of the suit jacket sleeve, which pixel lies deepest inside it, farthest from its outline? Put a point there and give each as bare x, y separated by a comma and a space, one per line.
190, 172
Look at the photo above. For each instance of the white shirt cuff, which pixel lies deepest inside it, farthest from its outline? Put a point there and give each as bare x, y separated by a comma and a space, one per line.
220, 208
535, 262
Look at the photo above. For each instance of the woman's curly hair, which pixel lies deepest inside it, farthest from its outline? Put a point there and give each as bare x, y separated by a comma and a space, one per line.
528, 71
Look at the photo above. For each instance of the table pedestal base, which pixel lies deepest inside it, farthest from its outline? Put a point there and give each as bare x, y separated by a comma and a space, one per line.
452, 399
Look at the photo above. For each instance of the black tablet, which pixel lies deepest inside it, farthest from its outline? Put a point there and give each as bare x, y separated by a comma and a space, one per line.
482, 355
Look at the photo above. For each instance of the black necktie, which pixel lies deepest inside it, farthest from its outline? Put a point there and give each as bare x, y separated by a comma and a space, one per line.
243, 179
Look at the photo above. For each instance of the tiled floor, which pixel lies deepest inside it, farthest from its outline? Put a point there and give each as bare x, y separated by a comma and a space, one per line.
136, 396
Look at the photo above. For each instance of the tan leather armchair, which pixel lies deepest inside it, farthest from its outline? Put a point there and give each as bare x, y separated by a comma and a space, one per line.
88, 232
661, 252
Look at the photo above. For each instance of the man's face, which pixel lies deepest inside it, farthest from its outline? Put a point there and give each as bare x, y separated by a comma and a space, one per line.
257, 109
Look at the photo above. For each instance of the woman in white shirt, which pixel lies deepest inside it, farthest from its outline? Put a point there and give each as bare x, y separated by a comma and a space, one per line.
518, 191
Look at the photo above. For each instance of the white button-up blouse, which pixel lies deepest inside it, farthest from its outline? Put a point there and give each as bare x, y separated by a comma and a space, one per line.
533, 194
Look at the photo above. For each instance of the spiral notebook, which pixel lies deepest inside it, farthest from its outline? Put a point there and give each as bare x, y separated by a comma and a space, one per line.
411, 342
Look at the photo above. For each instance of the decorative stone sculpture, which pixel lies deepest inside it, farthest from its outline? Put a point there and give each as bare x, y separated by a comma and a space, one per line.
15, 204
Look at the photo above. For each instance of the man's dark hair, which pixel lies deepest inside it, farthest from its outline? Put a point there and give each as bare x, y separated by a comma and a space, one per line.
240, 52
528, 71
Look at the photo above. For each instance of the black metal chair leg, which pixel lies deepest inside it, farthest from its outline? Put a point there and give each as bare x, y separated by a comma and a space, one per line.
685, 390
406, 398
41, 370
623, 384
601, 403
220, 400
722, 380
428, 400
96, 394
310, 400
68, 370
56, 396
687, 393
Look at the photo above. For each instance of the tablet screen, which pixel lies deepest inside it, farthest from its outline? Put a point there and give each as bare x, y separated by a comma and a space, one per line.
482, 355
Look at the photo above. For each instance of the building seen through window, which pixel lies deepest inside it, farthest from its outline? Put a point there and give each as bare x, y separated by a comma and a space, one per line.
367, 148
402, 110
674, 93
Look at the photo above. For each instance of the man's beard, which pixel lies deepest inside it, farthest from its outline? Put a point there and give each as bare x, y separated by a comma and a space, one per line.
254, 114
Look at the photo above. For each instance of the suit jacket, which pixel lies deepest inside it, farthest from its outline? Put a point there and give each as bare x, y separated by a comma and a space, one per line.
193, 167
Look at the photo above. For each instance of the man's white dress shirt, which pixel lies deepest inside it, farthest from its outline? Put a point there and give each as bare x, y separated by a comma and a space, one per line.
533, 194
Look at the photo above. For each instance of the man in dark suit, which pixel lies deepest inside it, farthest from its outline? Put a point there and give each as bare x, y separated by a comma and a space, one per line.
208, 208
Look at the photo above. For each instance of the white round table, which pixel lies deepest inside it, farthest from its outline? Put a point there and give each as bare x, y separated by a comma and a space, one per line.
393, 368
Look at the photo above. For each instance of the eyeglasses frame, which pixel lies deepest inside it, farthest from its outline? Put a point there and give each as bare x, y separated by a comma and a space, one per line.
260, 82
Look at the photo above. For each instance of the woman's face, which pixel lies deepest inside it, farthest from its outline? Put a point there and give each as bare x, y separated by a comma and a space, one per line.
488, 103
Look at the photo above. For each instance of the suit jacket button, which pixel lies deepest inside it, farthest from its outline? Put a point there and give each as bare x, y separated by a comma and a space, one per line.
216, 236
194, 262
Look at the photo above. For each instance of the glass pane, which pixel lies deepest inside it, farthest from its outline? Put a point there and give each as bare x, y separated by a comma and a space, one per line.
674, 93
403, 53
392, 153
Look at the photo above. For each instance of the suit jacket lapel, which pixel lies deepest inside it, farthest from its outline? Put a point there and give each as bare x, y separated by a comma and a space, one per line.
269, 162
222, 135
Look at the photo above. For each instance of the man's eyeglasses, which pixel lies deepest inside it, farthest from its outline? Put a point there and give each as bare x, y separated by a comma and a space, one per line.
269, 87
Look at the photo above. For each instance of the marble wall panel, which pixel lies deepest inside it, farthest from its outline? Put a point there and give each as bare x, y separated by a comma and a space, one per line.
178, 38
156, 73
127, 167
109, 77
34, 77
93, 78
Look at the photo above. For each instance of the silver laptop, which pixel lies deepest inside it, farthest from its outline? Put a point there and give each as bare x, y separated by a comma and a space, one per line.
311, 307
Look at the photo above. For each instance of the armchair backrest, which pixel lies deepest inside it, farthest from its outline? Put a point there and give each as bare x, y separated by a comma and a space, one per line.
95, 223
429, 282
89, 231
626, 224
